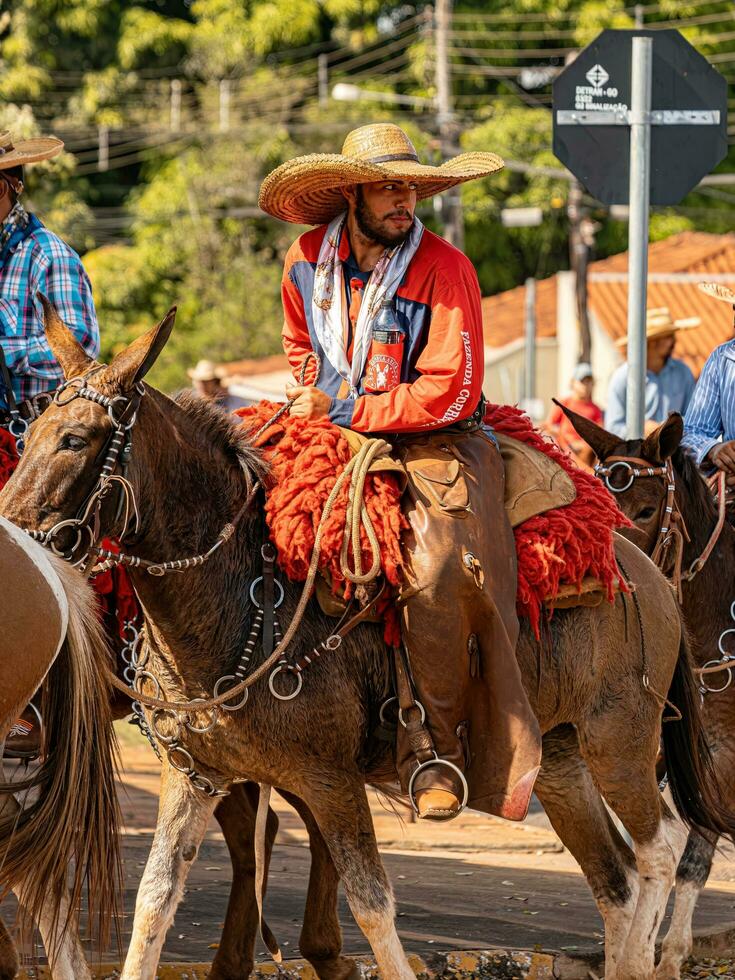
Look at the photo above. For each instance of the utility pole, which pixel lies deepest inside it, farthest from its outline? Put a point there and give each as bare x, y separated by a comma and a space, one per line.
579, 262
175, 105
103, 153
224, 105
323, 80
446, 123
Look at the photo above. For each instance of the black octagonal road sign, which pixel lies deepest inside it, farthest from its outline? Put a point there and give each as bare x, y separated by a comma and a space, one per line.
591, 108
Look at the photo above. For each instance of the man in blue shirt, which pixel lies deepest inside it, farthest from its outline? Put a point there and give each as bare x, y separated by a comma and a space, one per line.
709, 425
32, 260
669, 382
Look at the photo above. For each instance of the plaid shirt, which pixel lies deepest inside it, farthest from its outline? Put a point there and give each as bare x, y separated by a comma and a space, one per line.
42, 262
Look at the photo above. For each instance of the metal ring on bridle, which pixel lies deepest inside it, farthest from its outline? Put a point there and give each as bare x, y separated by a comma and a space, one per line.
278, 586
383, 708
217, 692
203, 784
180, 749
158, 713
18, 427
299, 683
129, 674
723, 634
71, 522
705, 683
438, 762
75, 386
142, 674
207, 728
416, 704
608, 471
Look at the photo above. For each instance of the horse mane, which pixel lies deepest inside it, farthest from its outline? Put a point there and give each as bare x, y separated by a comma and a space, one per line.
700, 498
222, 433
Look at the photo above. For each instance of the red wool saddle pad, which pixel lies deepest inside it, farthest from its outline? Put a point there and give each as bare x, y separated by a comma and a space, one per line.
560, 547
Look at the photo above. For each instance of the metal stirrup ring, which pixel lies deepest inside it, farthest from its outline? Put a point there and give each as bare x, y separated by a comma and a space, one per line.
299, 683
437, 761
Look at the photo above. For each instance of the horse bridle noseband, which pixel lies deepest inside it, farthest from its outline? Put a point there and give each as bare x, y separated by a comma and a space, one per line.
673, 531
122, 411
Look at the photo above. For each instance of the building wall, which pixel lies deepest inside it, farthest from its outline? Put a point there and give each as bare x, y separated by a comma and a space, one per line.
504, 368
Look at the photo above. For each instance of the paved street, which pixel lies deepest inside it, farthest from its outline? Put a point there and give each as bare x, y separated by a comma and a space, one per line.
472, 884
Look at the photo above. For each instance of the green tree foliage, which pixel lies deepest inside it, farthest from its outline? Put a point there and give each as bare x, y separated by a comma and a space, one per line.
173, 219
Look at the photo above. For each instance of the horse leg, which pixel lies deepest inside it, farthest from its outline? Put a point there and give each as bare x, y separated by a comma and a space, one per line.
321, 936
340, 808
624, 768
236, 816
9, 963
696, 862
183, 814
691, 877
578, 815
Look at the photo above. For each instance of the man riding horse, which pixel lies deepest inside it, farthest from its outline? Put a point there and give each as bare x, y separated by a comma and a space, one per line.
392, 313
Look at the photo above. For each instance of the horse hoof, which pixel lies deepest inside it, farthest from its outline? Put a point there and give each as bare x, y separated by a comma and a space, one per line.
338, 968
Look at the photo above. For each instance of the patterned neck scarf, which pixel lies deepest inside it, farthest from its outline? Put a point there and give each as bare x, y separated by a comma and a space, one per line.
329, 308
18, 225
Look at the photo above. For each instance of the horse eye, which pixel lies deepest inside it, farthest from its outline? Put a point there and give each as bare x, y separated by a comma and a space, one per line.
645, 515
74, 443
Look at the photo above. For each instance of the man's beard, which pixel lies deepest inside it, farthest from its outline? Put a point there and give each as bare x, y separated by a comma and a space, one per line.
371, 228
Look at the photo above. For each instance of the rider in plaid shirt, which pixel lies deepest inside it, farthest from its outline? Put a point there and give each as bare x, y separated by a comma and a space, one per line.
33, 259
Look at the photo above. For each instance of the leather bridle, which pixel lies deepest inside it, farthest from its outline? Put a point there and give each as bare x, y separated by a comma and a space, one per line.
122, 411
672, 529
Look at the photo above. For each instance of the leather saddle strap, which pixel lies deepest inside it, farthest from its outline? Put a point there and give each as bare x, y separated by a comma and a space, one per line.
419, 736
269, 610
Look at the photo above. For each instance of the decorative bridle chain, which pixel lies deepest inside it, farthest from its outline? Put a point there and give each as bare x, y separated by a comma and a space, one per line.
123, 413
726, 661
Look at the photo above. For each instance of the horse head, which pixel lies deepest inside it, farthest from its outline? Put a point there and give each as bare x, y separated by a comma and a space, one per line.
68, 445
642, 500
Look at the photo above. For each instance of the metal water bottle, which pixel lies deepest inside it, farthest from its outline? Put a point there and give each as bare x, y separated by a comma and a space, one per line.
385, 359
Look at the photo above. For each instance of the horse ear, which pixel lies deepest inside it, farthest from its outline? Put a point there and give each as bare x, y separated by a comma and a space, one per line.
72, 357
131, 365
664, 441
597, 438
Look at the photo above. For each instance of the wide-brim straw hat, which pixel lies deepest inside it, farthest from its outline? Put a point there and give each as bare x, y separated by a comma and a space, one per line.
717, 291
308, 189
18, 153
660, 323
205, 371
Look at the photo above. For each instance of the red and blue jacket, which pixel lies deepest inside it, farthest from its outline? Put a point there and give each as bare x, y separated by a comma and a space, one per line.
437, 304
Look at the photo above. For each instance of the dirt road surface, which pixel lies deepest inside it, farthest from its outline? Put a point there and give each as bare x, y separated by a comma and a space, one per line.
471, 884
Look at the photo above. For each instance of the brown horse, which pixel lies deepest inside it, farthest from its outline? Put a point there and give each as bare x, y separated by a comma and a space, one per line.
50, 630
707, 603
599, 673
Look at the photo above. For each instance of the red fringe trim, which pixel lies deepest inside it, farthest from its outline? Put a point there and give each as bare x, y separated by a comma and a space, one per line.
565, 545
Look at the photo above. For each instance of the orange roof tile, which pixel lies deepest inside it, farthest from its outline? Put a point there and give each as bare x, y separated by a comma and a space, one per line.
503, 315
696, 253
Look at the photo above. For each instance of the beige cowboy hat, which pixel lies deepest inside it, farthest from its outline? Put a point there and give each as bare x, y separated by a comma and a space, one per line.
660, 323
205, 371
308, 190
718, 291
18, 153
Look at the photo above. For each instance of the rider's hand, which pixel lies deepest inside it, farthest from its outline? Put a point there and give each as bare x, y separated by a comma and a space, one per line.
723, 456
308, 403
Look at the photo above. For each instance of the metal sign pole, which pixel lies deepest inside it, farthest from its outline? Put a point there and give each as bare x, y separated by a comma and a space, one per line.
640, 185
530, 352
